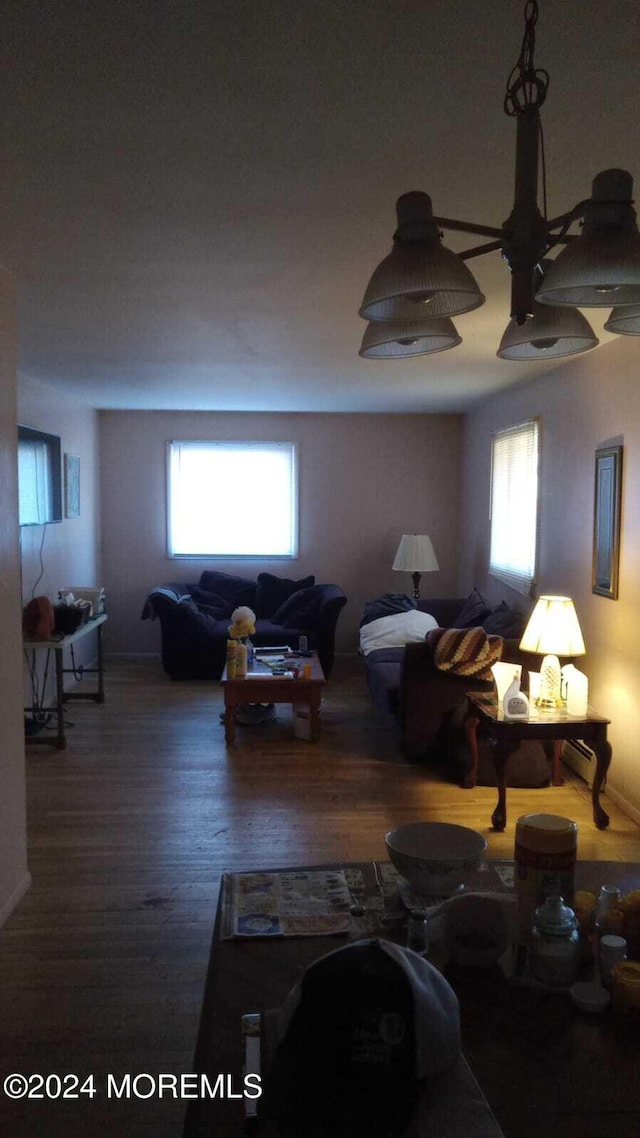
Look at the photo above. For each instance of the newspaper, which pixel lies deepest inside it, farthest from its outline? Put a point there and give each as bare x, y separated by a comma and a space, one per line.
291, 903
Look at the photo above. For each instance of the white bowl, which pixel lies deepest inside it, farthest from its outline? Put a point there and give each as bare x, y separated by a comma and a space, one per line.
435, 857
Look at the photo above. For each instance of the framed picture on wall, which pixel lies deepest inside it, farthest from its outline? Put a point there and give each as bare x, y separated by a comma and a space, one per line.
606, 521
71, 486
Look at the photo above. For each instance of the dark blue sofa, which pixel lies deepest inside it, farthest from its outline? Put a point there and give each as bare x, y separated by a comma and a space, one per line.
195, 617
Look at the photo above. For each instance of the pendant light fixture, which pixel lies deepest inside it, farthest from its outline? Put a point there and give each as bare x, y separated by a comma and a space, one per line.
421, 281
624, 321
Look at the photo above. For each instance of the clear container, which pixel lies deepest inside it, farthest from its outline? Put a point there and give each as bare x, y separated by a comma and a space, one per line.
418, 932
608, 913
555, 943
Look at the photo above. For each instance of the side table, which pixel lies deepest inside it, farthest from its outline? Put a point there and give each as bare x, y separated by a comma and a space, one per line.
57, 647
548, 727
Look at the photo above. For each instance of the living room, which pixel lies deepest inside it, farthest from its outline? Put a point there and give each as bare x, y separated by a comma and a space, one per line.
384, 448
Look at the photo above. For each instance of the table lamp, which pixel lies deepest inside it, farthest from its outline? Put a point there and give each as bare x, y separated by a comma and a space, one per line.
553, 630
415, 555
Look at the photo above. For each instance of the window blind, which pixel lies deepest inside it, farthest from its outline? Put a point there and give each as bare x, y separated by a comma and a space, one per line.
514, 505
34, 483
232, 499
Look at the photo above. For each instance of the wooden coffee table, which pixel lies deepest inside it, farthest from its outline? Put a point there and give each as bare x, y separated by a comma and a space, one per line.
261, 686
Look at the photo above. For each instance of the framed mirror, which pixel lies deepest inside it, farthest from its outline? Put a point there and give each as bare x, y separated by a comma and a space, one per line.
606, 521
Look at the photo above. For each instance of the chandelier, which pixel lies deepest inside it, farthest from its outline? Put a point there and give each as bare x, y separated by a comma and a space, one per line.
415, 291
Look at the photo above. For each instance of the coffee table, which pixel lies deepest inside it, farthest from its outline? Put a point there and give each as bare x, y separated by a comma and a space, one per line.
544, 1067
260, 685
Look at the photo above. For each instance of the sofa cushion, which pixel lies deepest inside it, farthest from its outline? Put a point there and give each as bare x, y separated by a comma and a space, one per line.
386, 605
301, 609
396, 631
504, 621
272, 592
234, 591
465, 651
211, 603
474, 610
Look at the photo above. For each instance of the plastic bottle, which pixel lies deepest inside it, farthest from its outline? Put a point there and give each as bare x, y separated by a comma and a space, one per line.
555, 943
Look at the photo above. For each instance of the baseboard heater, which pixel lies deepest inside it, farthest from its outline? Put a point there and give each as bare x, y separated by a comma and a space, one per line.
580, 758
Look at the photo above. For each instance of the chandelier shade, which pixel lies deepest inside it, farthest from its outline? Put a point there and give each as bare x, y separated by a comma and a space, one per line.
393, 339
600, 268
420, 279
625, 321
549, 334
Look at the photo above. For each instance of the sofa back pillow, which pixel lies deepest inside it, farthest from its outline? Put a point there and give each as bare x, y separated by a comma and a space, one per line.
395, 631
272, 592
465, 651
211, 603
235, 591
301, 609
505, 621
473, 612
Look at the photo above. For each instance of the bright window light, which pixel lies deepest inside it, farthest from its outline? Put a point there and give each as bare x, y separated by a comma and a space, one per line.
514, 505
231, 499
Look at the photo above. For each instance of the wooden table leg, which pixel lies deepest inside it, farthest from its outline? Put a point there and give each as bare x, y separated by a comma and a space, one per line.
602, 750
314, 716
471, 722
61, 739
229, 722
557, 774
501, 751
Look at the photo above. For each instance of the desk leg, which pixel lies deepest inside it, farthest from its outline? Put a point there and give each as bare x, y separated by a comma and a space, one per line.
61, 740
501, 751
602, 748
100, 696
557, 774
471, 722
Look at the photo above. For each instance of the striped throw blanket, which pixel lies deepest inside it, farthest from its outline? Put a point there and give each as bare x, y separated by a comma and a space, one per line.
465, 651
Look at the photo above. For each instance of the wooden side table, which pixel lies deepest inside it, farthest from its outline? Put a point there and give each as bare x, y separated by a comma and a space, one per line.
548, 727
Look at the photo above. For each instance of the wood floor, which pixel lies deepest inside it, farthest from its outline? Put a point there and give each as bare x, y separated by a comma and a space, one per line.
102, 965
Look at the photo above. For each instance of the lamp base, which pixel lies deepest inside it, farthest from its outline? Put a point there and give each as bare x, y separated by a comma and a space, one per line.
550, 696
415, 577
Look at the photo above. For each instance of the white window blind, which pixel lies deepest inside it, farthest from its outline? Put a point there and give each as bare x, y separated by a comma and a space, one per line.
34, 483
232, 499
514, 505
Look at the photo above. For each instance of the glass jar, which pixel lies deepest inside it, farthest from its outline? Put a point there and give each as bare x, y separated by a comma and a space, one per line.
555, 943
418, 931
609, 916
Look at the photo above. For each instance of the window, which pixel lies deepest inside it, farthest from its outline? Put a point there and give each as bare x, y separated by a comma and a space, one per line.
514, 505
39, 477
231, 499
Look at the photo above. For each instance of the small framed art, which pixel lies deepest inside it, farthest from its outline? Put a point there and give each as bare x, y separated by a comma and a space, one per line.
71, 486
606, 521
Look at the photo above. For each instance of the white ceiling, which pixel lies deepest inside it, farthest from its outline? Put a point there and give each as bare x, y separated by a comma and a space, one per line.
194, 193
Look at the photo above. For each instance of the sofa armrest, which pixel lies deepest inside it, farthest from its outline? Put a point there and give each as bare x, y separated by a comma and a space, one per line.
163, 597
332, 602
427, 697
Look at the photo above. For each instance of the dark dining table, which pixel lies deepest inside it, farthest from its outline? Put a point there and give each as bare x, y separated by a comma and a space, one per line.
533, 1063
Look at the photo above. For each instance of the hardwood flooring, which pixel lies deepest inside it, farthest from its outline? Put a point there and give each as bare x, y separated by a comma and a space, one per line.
102, 965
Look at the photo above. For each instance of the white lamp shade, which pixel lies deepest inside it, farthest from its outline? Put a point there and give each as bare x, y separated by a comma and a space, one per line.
549, 334
553, 628
393, 339
415, 554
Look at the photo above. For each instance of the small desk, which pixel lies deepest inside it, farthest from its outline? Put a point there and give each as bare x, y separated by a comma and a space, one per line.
261, 686
550, 728
57, 647
545, 1068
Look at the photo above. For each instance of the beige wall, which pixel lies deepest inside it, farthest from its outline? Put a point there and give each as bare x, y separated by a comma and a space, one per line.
583, 404
14, 878
364, 480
